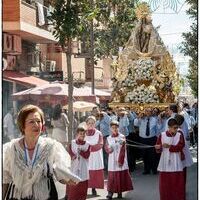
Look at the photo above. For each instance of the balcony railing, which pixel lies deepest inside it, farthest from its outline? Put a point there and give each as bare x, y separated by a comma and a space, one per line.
42, 20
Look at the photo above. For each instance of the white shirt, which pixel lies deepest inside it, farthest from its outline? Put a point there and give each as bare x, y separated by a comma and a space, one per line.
8, 123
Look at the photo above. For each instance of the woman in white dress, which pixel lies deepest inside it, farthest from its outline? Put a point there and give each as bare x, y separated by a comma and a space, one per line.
31, 164
60, 125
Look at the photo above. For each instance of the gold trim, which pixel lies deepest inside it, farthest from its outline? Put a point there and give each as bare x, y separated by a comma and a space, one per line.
140, 106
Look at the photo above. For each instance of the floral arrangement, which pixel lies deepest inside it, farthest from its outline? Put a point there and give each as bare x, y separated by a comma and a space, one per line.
144, 69
142, 94
129, 81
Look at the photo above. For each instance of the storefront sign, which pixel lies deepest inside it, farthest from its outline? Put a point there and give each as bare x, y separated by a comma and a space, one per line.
48, 76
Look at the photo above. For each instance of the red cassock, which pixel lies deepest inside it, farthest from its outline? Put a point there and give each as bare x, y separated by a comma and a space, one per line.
79, 152
171, 170
96, 166
119, 179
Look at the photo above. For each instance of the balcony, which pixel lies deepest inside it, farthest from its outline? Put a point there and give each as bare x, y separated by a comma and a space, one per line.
21, 17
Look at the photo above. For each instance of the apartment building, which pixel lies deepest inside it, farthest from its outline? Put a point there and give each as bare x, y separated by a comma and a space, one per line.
31, 55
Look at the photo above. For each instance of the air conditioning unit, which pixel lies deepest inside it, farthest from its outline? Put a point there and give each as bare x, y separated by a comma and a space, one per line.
50, 65
7, 43
11, 61
17, 44
33, 59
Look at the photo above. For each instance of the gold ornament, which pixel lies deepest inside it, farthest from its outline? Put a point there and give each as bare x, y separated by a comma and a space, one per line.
142, 11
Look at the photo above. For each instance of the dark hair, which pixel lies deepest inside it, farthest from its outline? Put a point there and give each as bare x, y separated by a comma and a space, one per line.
172, 122
179, 118
157, 110
109, 109
189, 112
185, 105
24, 112
80, 129
57, 112
173, 108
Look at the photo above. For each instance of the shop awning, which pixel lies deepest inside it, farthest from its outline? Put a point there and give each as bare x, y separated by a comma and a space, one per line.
23, 79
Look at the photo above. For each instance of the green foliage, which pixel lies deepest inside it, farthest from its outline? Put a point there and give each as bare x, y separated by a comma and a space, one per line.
65, 19
117, 19
193, 77
113, 22
190, 47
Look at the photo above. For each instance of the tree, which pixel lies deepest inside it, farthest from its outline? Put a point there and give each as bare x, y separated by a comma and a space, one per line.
190, 47
113, 23
66, 21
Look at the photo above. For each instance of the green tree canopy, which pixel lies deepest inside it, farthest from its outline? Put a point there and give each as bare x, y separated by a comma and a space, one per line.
190, 47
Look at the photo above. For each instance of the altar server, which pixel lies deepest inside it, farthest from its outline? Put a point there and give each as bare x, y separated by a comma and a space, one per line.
119, 179
171, 176
79, 151
96, 165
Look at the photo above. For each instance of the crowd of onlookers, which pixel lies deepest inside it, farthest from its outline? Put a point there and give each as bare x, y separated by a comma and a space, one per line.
144, 127
133, 124
113, 139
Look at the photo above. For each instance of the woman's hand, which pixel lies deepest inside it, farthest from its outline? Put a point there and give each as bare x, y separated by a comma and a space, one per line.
70, 182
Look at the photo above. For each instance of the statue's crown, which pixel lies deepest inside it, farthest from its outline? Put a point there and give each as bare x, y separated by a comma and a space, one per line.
143, 10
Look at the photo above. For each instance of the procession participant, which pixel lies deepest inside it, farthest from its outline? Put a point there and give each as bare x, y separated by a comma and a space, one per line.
171, 175
187, 162
148, 135
162, 121
96, 166
103, 123
131, 151
60, 133
155, 112
172, 111
191, 128
112, 114
123, 122
79, 151
32, 163
119, 179
60, 125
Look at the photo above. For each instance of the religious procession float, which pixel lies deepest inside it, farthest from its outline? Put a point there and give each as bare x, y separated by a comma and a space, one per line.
144, 75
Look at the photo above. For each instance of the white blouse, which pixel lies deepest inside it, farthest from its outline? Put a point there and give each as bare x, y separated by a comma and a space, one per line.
31, 179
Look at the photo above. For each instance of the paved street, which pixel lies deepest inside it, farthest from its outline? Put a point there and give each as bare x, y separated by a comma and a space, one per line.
146, 186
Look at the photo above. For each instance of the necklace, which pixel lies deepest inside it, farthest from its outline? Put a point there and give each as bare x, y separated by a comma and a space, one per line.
30, 162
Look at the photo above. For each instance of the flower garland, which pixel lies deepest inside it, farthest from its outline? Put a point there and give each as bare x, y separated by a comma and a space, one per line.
142, 94
144, 69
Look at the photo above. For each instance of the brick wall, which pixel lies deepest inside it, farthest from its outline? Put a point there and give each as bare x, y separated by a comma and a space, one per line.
11, 10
